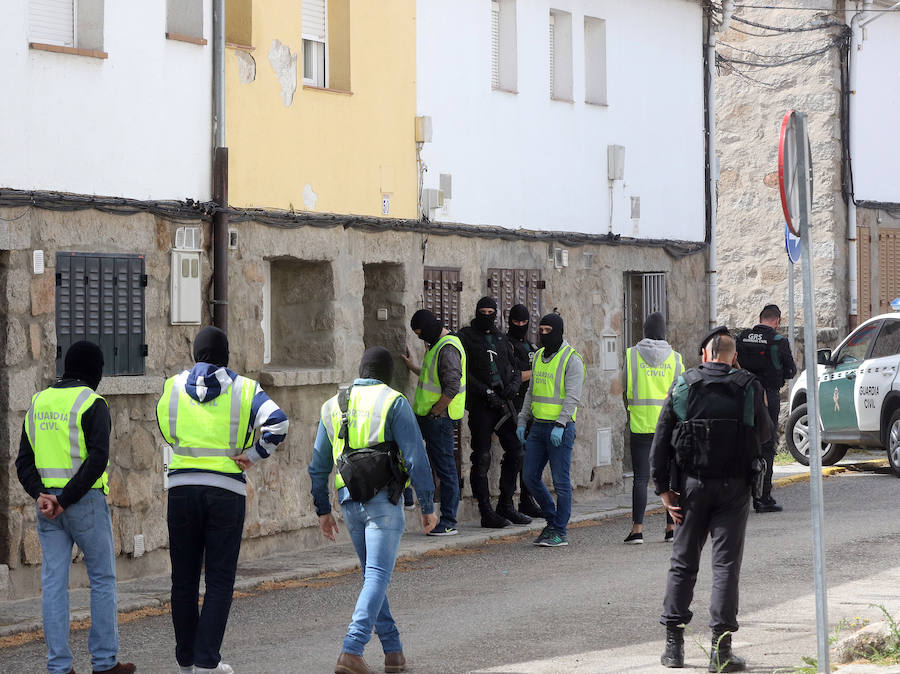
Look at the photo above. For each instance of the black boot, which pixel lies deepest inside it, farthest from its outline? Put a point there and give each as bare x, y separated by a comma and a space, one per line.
673, 656
505, 508
528, 506
490, 519
721, 657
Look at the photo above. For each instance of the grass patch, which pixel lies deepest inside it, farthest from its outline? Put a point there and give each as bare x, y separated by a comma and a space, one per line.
784, 458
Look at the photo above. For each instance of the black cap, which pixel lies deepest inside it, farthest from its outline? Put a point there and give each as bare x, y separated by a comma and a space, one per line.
720, 330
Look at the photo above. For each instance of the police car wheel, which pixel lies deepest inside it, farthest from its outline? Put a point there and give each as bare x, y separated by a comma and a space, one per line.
797, 437
893, 443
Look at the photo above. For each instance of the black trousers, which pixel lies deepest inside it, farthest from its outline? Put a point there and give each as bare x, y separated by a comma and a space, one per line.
204, 522
718, 509
640, 464
481, 427
773, 405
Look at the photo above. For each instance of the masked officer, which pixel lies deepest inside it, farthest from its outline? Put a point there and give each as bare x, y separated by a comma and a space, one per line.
711, 429
440, 401
767, 354
651, 366
63, 455
209, 415
551, 404
370, 433
492, 386
522, 353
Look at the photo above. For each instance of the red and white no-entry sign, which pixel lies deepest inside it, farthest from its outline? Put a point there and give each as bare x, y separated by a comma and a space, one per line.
791, 146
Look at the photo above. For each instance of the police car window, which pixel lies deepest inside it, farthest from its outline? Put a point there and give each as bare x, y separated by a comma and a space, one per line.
856, 347
888, 341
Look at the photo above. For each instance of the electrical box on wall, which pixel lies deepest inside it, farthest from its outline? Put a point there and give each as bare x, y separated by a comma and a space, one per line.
186, 305
615, 156
604, 447
610, 355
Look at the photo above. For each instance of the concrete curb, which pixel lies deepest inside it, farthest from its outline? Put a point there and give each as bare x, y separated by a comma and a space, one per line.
828, 471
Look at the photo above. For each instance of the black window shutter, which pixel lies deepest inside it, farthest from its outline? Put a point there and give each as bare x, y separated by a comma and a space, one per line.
108, 326
63, 309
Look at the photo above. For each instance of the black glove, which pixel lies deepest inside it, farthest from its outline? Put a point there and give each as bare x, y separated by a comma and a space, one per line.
493, 401
511, 390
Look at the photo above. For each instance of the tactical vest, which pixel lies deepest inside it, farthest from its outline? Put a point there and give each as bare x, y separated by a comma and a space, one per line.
53, 427
646, 388
548, 384
205, 435
715, 435
428, 390
356, 423
760, 354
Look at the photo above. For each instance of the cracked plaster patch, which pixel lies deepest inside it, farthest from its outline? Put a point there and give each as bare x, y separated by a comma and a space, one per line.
246, 67
309, 197
285, 66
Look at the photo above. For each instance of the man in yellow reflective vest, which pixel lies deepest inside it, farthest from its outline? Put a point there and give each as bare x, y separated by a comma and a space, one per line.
651, 366
63, 455
209, 415
557, 377
372, 417
439, 402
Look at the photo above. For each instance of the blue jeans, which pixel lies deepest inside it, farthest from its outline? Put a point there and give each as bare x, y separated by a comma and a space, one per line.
538, 451
87, 524
375, 527
205, 526
438, 436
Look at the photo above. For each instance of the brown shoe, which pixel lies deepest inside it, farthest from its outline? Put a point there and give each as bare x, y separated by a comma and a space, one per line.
394, 662
351, 664
120, 668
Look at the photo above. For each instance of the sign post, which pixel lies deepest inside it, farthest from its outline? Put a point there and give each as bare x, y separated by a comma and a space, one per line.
795, 181
792, 246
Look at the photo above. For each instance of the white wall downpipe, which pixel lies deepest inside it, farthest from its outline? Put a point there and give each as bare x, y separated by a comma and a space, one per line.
727, 10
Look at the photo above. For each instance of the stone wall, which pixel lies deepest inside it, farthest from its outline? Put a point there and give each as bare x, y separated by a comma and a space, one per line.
357, 272
752, 264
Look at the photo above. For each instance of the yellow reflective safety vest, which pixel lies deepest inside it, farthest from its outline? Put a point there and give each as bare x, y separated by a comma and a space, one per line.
206, 435
646, 388
548, 383
53, 426
428, 390
367, 413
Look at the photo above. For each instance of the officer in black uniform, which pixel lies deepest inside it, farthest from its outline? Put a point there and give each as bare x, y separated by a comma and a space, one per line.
710, 432
522, 353
491, 387
767, 355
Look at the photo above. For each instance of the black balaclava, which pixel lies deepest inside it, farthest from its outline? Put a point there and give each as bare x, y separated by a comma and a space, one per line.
84, 361
429, 324
376, 363
655, 326
211, 346
551, 342
519, 312
481, 321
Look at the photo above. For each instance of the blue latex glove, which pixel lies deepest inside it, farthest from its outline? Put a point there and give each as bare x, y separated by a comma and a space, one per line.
556, 435
520, 433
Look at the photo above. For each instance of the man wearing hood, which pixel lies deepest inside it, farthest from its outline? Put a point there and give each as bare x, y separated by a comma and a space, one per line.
379, 420
439, 402
650, 369
492, 387
551, 404
219, 424
765, 353
522, 353
63, 455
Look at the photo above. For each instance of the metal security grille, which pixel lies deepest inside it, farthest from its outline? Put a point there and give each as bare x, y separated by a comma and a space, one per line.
644, 293
509, 287
442, 294
100, 298
495, 44
654, 294
52, 22
312, 15
552, 56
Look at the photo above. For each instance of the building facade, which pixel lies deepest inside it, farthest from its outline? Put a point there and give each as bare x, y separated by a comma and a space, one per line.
334, 111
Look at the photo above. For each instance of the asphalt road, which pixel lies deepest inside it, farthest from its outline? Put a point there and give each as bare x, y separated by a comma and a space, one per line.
591, 607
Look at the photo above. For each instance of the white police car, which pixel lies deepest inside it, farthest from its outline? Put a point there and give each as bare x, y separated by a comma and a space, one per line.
859, 395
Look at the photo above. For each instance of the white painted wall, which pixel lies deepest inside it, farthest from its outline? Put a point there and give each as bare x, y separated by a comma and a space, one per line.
134, 125
874, 127
522, 160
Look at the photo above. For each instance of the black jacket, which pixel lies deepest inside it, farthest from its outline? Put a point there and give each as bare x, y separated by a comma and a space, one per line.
96, 425
521, 353
776, 366
478, 365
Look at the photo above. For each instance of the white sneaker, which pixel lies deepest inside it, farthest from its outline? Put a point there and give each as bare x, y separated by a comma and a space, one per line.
221, 669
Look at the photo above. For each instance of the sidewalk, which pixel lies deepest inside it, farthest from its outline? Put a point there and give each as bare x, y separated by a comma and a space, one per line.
151, 594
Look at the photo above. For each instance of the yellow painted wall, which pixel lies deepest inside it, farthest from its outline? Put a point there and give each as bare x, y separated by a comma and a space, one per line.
346, 146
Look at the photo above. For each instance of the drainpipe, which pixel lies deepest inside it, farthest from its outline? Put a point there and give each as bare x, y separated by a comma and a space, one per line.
220, 173
711, 32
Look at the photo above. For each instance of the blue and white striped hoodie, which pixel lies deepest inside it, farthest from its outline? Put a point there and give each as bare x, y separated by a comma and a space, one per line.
205, 382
